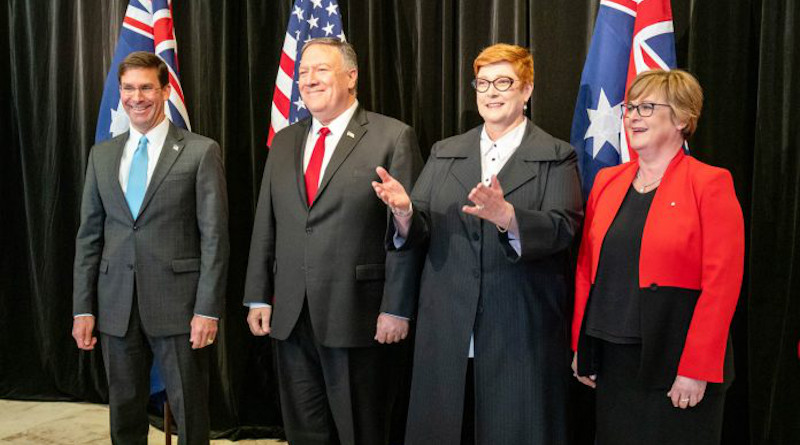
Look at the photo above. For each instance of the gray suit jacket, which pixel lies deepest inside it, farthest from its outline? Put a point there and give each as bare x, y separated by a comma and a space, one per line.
176, 251
333, 252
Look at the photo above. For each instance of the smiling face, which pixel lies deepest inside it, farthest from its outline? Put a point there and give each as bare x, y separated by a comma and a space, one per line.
326, 85
502, 110
660, 131
145, 109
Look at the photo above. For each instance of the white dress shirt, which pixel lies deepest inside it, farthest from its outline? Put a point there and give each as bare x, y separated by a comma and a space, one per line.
337, 126
155, 142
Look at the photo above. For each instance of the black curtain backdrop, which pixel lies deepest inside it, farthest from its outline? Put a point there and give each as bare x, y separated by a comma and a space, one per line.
415, 64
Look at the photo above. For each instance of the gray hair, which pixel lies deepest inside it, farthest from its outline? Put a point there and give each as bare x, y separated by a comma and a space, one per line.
345, 49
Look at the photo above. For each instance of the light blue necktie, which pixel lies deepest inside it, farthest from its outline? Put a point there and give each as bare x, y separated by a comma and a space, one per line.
137, 179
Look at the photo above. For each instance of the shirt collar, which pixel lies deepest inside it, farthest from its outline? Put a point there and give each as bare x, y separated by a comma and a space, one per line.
337, 125
508, 141
156, 135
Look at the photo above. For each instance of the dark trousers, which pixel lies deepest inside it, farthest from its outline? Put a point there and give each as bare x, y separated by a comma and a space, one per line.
628, 413
468, 417
334, 395
185, 373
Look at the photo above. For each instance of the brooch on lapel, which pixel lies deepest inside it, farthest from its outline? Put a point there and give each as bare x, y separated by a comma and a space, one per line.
175, 147
351, 135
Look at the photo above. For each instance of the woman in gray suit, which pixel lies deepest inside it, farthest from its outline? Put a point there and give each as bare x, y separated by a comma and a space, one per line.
484, 239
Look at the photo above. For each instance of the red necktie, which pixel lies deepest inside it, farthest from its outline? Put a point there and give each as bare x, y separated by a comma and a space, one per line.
315, 165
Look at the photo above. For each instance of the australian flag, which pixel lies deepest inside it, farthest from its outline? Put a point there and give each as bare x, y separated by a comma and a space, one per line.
310, 19
147, 26
629, 37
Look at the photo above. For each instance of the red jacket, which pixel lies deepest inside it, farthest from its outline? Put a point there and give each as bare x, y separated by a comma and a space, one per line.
693, 239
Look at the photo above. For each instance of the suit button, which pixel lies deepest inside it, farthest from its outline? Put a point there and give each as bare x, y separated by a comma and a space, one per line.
309, 230
476, 236
130, 266
480, 309
476, 273
135, 228
653, 287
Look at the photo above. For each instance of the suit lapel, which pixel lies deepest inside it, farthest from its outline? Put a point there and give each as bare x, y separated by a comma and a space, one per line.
301, 137
356, 129
119, 195
522, 166
466, 161
466, 168
173, 145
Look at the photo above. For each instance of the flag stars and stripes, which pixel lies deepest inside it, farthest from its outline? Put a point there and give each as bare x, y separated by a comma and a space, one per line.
312, 22
332, 9
305, 23
298, 11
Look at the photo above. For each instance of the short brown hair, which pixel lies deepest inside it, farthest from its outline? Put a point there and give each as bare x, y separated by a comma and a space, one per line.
519, 58
680, 90
144, 60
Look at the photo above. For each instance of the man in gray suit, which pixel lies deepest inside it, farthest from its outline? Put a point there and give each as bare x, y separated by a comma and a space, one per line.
315, 278
152, 257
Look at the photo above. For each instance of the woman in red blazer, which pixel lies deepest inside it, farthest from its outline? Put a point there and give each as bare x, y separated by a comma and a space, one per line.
659, 274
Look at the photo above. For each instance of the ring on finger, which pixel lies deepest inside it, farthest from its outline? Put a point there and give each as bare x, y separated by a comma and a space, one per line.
479, 206
684, 400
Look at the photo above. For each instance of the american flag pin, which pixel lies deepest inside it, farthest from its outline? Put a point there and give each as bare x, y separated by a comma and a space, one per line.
351, 135
175, 147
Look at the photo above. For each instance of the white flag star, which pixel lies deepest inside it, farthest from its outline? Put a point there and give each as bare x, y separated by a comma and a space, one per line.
119, 121
328, 29
332, 9
298, 11
316, 3
312, 22
341, 36
604, 124
299, 104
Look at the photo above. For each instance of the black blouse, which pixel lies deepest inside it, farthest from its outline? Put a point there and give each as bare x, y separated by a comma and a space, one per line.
613, 309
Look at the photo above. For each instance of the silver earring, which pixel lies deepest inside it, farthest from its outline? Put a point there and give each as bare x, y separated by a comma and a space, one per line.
525, 107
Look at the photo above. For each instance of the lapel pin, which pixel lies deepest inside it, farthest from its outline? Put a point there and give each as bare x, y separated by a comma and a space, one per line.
351, 135
175, 147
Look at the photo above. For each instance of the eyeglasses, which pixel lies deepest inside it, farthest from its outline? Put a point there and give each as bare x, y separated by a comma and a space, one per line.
146, 90
645, 109
500, 84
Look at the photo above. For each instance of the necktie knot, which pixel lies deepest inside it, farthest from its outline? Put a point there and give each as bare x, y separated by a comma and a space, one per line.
142, 143
324, 131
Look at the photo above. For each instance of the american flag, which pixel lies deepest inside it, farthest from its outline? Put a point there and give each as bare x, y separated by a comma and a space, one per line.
147, 26
310, 19
630, 36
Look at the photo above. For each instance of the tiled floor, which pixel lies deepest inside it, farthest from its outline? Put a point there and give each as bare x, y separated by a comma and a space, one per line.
62, 423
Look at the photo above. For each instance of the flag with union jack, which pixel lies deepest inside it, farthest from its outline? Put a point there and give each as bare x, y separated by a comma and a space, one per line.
630, 36
310, 19
147, 26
